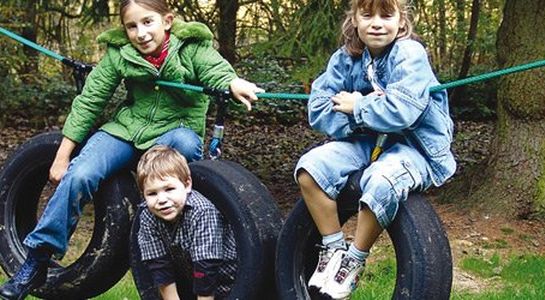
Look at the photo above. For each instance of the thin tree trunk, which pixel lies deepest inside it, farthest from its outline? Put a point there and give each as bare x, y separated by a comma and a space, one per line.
459, 93
458, 35
227, 29
442, 43
30, 33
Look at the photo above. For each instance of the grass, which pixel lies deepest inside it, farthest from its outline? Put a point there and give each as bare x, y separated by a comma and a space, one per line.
123, 290
516, 277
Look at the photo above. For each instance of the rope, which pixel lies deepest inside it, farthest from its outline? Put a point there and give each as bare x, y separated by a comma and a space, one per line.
460, 82
449, 85
31, 44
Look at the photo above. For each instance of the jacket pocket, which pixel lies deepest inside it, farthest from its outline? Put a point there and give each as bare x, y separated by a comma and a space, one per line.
434, 132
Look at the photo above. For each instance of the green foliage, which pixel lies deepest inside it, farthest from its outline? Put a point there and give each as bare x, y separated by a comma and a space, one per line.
313, 34
300, 34
479, 103
479, 99
39, 100
273, 75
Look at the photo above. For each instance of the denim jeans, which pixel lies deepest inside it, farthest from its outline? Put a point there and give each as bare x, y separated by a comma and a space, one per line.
100, 157
399, 170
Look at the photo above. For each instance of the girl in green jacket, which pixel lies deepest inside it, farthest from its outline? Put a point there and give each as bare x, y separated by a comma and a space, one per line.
150, 46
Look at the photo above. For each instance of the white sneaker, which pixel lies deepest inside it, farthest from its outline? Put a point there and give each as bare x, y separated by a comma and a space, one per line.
327, 259
345, 278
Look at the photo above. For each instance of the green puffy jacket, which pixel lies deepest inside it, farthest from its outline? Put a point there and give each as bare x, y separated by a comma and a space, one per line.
150, 110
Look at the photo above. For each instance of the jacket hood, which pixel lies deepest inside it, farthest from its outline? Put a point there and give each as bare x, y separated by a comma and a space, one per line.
182, 30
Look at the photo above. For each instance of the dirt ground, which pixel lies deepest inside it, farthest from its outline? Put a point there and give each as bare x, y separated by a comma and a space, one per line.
270, 152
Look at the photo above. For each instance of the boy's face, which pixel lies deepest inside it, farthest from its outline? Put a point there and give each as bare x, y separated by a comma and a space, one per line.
146, 28
166, 197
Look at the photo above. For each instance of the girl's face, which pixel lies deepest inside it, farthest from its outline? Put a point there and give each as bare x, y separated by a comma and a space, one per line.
377, 30
146, 28
166, 197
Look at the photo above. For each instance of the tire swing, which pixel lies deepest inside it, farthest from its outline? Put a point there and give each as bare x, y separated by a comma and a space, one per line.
424, 262
23, 179
256, 221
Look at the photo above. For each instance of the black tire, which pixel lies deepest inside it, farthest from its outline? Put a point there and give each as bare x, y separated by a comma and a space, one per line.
256, 220
104, 261
424, 262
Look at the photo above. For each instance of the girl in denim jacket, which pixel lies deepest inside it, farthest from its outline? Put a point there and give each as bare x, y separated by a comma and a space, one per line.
375, 89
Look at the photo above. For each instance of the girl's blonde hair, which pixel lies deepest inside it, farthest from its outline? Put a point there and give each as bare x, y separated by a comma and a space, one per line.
159, 6
350, 36
160, 162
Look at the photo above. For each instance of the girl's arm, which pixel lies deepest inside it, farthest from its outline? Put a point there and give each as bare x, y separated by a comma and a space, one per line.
406, 95
62, 159
321, 113
98, 90
169, 292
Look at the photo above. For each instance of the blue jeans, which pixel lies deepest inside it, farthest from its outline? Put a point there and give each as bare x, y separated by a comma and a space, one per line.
399, 170
100, 157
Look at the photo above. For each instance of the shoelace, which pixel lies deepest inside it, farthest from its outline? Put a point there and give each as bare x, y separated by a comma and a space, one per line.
25, 272
324, 257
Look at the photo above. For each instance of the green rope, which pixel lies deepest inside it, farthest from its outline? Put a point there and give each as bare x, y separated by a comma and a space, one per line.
449, 85
31, 44
282, 96
183, 86
487, 76
456, 83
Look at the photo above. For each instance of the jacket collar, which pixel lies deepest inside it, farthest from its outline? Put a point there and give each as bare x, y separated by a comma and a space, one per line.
130, 53
182, 30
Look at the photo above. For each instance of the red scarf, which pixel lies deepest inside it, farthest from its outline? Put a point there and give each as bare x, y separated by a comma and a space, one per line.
157, 61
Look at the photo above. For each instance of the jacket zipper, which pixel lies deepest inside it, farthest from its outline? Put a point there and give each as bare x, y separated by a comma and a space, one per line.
157, 74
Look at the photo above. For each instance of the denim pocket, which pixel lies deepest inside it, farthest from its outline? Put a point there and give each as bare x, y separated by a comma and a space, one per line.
407, 179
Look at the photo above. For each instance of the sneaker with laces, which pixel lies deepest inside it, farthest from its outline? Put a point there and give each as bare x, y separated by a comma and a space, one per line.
327, 259
31, 275
346, 274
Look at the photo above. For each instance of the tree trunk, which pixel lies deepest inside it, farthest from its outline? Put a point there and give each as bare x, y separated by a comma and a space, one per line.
458, 35
457, 95
442, 43
30, 33
513, 179
227, 29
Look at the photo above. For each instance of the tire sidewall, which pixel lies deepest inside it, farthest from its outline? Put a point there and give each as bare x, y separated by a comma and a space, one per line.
103, 262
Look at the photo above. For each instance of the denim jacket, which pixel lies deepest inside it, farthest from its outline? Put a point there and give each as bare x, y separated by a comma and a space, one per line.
406, 108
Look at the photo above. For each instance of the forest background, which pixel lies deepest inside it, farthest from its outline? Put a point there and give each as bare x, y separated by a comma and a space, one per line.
495, 202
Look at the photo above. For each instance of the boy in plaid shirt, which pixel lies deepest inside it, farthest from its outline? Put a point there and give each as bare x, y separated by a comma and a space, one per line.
180, 227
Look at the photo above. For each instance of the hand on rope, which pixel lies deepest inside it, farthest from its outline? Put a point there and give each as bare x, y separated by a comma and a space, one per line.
245, 91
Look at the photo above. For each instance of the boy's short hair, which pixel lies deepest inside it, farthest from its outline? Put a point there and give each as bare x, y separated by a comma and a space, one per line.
160, 162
